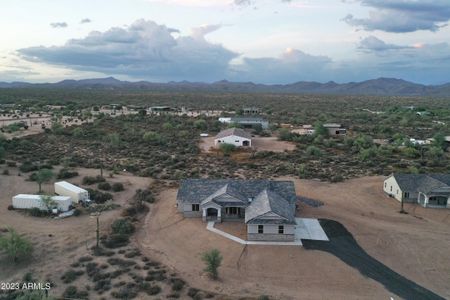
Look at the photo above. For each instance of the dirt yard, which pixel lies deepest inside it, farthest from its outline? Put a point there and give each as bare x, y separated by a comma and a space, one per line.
56, 242
414, 245
258, 144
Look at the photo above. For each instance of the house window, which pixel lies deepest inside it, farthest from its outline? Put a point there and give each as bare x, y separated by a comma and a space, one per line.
391, 188
281, 229
385, 184
195, 207
397, 192
232, 210
406, 195
260, 228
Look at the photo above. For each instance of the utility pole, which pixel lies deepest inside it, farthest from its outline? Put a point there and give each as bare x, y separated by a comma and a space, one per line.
97, 231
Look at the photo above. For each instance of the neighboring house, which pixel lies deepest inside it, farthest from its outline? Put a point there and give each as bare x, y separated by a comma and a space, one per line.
304, 130
428, 190
267, 207
235, 136
251, 110
246, 121
335, 129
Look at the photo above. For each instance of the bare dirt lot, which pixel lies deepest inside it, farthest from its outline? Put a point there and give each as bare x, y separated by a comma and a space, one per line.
414, 245
258, 144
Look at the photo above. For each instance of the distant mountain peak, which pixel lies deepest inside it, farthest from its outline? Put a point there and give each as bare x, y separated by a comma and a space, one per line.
382, 86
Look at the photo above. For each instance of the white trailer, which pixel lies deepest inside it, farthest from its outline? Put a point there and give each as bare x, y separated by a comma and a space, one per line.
26, 201
76, 193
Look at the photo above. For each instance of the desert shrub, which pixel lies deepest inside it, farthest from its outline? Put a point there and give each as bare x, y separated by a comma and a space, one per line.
152, 289
122, 226
125, 292
65, 174
36, 212
85, 259
15, 246
192, 292
116, 240
105, 186
77, 212
177, 284
263, 297
227, 149
117, 187
11, 164
71, 276
98, 196
213, 260
28, 166
10, 207
71, 292
313, 151
90, 180
6, 172
144, 196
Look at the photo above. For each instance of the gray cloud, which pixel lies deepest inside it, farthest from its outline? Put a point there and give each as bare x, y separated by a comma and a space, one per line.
403, 15
372, 43
85, 20
59, 25
292, 65
146, 50
143, 49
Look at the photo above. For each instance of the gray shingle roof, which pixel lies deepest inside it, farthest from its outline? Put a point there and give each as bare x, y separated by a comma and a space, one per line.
197, 190
424, 183
270, 202
227, 195
247, 119
234, 131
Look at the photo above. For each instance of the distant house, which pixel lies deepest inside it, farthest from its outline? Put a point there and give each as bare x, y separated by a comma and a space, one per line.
159, 109
251, 110
428, 190
335, 129
246, 121
304, 130
267, 207
235, 136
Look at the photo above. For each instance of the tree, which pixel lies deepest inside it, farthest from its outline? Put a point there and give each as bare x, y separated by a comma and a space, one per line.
43, 176
113, 139
439, 141
213, 260
14, 245
319, 129
48, 201
227, 148
200, 124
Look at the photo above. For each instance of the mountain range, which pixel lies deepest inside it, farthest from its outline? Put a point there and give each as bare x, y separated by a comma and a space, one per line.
380, 87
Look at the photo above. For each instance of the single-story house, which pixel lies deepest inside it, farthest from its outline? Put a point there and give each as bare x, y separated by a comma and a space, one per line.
235, 136
428, 190
246, 121
251, 110
335, 129
304, 130
267, 207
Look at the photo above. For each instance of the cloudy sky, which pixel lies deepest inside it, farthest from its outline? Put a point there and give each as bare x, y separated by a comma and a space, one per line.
264, 41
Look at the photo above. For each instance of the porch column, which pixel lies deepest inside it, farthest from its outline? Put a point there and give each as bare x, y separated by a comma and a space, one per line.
204, 215
425, 203
219, 215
